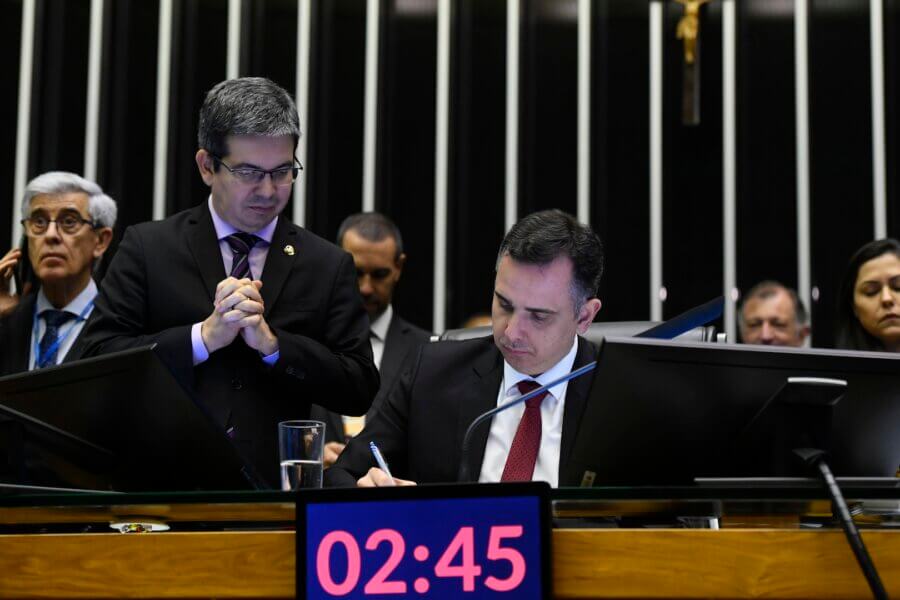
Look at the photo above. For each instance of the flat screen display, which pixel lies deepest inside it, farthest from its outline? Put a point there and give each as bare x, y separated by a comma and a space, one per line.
472, 541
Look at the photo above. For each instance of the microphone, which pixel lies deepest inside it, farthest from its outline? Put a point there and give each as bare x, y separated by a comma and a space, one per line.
463, 474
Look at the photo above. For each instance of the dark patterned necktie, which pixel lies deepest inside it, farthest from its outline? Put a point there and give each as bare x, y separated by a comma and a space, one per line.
48, 348
241, 243
524, 450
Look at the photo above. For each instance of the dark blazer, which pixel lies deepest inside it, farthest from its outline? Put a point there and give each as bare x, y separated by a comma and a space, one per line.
420, 426
163, 280
402, 340
15, 338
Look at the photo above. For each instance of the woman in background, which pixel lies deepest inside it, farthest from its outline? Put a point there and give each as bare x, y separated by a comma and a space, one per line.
869, 305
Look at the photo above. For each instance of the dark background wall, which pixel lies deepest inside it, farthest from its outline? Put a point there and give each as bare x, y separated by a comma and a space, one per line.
839, 116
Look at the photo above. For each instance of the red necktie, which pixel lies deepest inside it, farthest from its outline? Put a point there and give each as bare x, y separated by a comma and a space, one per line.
524, 450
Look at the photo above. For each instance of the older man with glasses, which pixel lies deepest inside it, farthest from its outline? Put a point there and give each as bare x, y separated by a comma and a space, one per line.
256, 316
67, 222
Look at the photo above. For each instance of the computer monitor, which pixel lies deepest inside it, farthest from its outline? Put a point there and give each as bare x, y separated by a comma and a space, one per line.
119, 421
664, 412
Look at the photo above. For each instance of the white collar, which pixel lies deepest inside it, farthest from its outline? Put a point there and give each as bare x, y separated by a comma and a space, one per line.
381, 324
224, 228
511, 377
76, 306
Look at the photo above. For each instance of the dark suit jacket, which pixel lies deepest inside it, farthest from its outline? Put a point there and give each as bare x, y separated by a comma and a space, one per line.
163, 280
402, 340
15, 338
420, 426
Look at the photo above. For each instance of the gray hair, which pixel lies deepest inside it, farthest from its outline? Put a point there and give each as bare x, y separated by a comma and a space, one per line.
101, 207
245, 106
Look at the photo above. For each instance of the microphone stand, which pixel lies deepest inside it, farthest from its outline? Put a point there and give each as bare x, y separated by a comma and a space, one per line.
463, 475
816, 459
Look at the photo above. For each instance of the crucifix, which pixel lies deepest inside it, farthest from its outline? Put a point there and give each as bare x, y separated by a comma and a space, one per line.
688, 31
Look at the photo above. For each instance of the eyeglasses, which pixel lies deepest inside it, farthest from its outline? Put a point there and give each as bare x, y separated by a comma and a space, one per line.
280, 177
69, 222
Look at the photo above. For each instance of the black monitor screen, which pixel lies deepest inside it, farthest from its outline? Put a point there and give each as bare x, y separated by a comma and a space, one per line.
119, 421
663, 412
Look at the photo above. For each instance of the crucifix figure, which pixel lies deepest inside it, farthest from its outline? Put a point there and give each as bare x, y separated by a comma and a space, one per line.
688, 31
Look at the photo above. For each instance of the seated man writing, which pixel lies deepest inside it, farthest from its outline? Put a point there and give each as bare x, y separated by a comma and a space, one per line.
548, 271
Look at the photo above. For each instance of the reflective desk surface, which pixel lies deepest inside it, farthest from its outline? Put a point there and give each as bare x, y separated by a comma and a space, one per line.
730, 504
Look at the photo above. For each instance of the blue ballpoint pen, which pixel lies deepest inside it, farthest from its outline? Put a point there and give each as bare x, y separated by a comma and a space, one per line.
382, 464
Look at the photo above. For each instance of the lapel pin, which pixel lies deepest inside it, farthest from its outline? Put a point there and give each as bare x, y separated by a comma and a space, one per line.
289, 250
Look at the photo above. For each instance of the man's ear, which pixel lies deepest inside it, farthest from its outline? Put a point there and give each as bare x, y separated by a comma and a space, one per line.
586, 314
104, 238
205, 166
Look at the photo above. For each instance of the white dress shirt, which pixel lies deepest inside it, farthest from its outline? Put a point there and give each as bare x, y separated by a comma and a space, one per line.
83, 302
505, 424
378, 333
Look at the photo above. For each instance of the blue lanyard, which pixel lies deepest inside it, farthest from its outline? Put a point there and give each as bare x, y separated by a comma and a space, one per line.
40, 360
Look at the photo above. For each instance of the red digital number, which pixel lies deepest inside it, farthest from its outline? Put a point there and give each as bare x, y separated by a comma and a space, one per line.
379, 583
496, 552
323, 563
464, 543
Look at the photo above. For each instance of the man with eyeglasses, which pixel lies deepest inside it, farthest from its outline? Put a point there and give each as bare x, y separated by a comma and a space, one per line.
67, 222
256, 316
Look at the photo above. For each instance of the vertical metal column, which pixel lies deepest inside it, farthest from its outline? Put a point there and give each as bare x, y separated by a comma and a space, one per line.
304, 8
92, 117
512, 112
584, 110
656, 160
234, 39
729, 163
370, 111
163, 81
26, 63
879, 159
801, 84
441, 164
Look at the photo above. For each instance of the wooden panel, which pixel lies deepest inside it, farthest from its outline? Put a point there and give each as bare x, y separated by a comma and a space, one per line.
157, 565
587, 564
722, 564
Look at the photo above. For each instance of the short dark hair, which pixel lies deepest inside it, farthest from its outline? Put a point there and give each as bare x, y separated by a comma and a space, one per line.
850, 334
542, 237
768, 288
245, 106
371, 226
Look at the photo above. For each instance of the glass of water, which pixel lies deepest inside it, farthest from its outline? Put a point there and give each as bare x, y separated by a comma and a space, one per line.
301, 446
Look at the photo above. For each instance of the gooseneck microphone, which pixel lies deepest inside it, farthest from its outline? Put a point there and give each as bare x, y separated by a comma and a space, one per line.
672, 328
463, 475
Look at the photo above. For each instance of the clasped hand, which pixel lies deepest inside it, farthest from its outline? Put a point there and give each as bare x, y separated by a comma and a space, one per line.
238, 310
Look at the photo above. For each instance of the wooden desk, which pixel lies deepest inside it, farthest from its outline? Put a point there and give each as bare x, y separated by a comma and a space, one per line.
588, 563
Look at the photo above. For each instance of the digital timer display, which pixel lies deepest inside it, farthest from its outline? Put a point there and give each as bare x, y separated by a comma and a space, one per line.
460, 547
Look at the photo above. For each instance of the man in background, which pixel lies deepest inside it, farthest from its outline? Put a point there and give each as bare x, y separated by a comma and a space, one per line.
68, 224
376, 245
773, 315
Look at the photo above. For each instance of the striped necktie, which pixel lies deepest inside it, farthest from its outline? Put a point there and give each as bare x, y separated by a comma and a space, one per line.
241, 243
